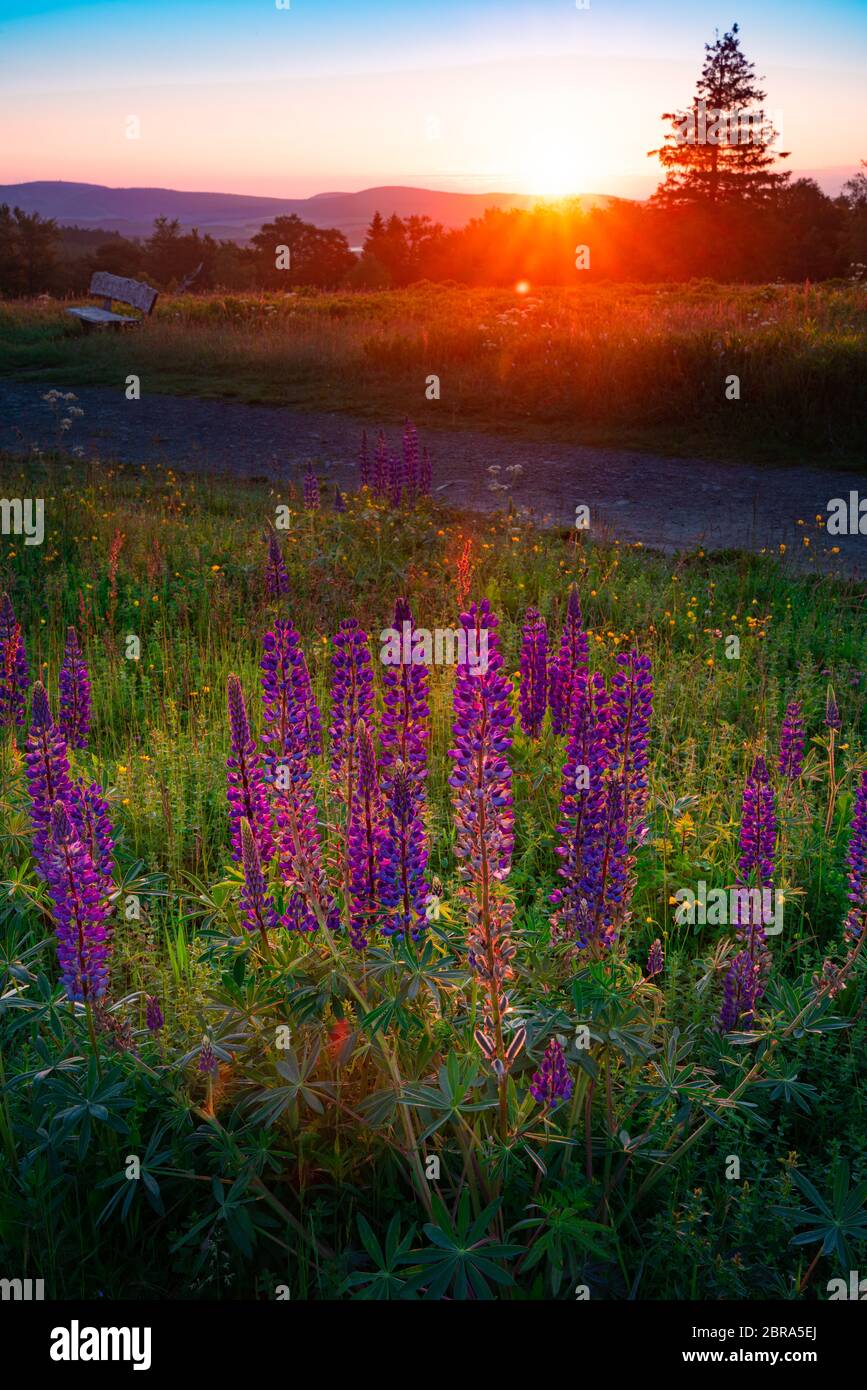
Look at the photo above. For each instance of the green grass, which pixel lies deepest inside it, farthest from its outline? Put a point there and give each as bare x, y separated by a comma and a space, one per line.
627, 366
243, 1205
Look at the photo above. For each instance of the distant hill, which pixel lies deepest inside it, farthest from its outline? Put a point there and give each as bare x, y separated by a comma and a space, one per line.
236, 217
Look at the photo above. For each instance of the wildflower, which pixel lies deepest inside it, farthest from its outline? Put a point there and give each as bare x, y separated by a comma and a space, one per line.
289, 708
47, 769
744, 984
655, 959
856, 860
311, 490
245, 780
832, 710
533, 693
75, 711
792, 742
276, 574
14, 670
403, 857
552, 1083
207, 1060
631, 705
569, 663
364, 842
351, 700
80, 910
257, 909
89, 811
153, 1013
484, 825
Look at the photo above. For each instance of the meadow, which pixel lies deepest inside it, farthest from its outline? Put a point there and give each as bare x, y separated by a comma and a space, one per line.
608, 364
338, 1041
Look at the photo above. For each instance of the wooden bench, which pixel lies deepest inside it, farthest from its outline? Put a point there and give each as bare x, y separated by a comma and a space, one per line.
114, 287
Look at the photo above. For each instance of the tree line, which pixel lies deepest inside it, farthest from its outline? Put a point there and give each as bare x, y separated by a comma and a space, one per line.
724, 211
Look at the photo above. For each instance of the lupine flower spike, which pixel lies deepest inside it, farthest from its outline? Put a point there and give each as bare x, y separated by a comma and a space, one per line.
74, 717
655, 959
484, 823
311, 490
551, 1084
856, 860
47, 770
257, 909
80, 910
276, 575
245, 780
745, 982
792, 743
364, 843
533, 693
568, 667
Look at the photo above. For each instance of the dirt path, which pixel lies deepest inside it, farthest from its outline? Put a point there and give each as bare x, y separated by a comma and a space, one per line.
667, 503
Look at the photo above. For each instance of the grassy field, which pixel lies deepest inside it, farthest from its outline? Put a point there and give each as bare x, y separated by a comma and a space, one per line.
630, 366
304, 1158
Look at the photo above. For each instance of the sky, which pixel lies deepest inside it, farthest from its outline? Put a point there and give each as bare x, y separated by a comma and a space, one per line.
528, 96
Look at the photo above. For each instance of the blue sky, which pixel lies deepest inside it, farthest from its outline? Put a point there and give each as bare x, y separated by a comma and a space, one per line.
455, 93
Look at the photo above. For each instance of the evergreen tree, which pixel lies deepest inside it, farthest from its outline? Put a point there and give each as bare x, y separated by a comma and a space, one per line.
720, 150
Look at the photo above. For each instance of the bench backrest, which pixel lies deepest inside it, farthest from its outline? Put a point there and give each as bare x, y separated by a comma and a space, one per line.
131, 292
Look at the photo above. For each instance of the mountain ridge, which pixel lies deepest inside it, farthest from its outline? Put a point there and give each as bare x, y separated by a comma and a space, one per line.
237, 216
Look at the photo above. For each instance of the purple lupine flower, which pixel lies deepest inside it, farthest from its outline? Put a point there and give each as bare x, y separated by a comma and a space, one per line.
289, 708
405, 722
47, 770
80, 910
591, 905
740, 992
395, 480
365, 472
792, 742
425, 479
74, 716
533, 692
832, 711
351, 700
293, 731
153, 1013
245, 782
207, 1063
380, 467
758, 836
311, 490
14, 670
631, 706
256, 906
364, 839
276, 574
745, 987
403, 884
339, 500
570, 662
410, 458
484, 824
552, 1084
856, 860
89, 811
655, 960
